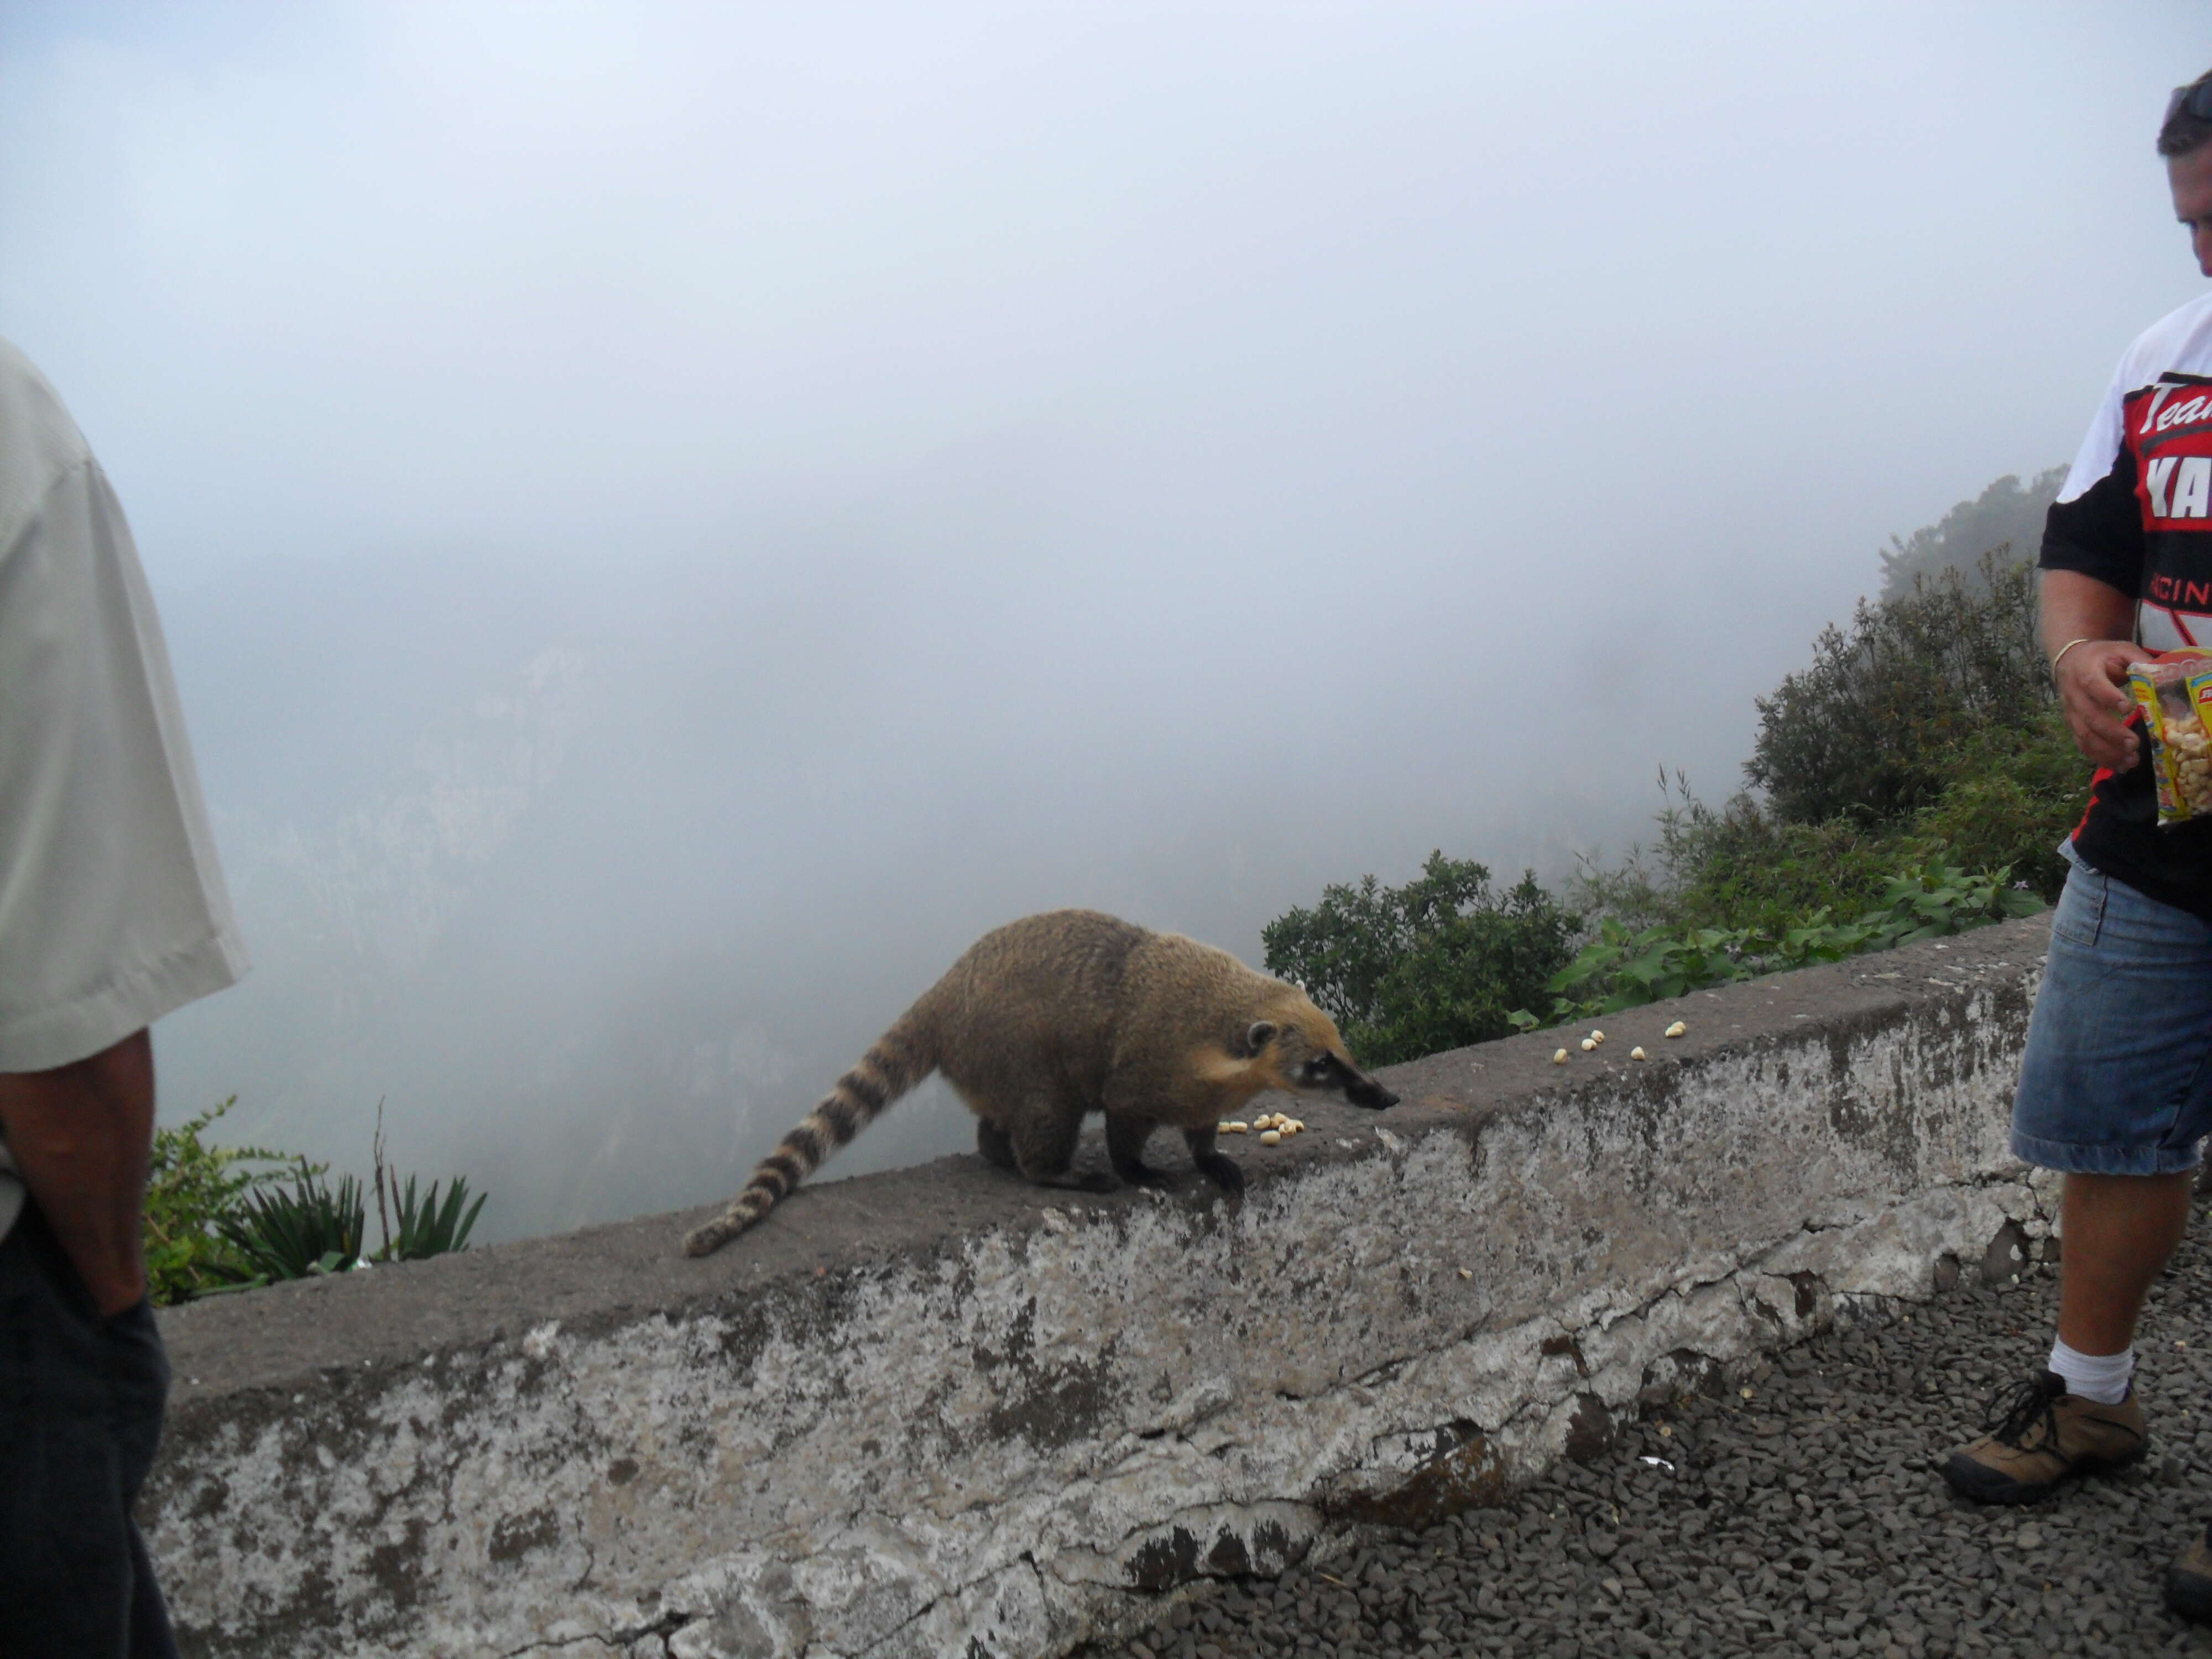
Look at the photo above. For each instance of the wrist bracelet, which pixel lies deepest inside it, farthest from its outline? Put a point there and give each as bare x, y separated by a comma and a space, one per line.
2063, 649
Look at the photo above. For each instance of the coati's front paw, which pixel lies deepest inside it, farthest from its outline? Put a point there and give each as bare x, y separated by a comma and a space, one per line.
1222, 1171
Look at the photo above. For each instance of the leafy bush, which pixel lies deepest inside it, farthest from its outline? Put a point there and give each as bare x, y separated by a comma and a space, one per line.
1867, 733
1620, 969
1437, 963
192, 1188
2011, 802
1736, 865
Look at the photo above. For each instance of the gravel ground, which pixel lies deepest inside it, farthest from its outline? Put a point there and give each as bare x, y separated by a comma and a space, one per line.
1804, 1515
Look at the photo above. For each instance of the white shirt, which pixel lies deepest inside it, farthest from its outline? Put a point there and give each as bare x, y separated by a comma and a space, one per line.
113, 907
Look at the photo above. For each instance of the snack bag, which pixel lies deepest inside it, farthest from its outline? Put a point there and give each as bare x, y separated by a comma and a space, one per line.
2174, 696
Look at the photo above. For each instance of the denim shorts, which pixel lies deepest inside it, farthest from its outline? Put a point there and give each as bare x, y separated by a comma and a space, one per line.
2118, 1075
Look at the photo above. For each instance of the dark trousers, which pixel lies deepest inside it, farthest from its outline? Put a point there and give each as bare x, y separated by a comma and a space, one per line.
79, 1414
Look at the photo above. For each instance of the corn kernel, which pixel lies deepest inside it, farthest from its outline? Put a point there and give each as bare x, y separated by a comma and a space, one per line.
1588, 1043
1559, 1057
1637, 1054
1677, 1028
1270, 1137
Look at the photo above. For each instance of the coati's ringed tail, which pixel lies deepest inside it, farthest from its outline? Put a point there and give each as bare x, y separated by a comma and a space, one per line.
899, 1060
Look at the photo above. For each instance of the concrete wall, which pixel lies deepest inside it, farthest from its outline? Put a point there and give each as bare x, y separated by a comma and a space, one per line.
940, 1412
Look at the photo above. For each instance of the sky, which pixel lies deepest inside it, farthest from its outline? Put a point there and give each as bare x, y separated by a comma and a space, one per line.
671, 519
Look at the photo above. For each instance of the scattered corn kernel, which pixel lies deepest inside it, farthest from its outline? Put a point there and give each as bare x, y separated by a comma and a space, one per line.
1597, 1036
1588, 1043
1465, 1274
1270, 1137
1559, 1057
1637, 1054
1677, 1028
1266, 1121
1230, 1126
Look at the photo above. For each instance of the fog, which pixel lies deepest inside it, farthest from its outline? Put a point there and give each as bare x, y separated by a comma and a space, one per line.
670, 521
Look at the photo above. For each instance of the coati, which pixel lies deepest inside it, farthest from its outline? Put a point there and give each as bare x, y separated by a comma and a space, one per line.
1055, 1015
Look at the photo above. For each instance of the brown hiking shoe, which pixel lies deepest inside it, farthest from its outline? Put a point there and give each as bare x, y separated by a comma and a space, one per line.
2040, 1434
2189, 1581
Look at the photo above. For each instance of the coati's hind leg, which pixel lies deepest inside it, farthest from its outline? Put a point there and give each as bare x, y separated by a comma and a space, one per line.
1125, 1144
996, 1145
1044, 1149
1217, 1166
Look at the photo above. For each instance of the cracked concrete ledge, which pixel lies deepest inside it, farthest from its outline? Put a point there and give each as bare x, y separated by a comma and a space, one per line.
937, 1413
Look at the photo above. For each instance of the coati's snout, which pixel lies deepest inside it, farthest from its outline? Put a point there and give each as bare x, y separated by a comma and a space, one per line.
1371, 1094
1316, 1062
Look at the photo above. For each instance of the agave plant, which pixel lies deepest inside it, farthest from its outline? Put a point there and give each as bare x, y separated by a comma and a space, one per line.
430, 1227
291, 1232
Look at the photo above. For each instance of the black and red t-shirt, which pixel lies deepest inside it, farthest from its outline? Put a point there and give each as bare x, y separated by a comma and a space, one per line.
2135, 513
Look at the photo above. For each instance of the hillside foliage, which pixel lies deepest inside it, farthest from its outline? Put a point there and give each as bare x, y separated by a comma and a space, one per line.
2009, 513
1915, 780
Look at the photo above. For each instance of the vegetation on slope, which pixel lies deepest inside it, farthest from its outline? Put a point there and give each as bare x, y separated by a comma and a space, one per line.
1913, 781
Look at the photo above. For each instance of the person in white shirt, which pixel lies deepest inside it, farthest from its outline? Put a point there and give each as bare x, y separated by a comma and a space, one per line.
112, 913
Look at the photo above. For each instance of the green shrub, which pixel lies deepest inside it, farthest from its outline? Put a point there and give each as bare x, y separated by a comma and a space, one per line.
1868, 734
192, 1189
1435, 964
2011, 801
1737, 866
1619, 969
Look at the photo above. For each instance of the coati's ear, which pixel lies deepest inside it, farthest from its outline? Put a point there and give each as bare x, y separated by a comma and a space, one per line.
1262, 1032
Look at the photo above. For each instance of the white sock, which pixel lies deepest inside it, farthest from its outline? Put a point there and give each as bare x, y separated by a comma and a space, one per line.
2102, 1377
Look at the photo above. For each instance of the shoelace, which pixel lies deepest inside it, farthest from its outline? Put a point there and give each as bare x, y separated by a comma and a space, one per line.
2010, 1414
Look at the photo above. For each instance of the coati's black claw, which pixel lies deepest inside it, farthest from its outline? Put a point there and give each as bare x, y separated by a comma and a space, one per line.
1223, 1170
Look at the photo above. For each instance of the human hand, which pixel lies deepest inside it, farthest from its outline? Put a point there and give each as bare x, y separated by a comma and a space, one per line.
2092, 680
80, 1135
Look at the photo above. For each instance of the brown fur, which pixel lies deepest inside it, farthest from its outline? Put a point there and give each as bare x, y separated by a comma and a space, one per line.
1052, 1017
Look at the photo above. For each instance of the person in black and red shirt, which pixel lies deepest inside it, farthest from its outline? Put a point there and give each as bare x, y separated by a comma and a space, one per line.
2116, 1085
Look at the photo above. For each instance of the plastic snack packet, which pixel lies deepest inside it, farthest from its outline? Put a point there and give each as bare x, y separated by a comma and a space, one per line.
2174, 696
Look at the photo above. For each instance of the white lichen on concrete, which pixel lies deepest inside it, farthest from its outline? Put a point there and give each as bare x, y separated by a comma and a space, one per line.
1007, 1445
